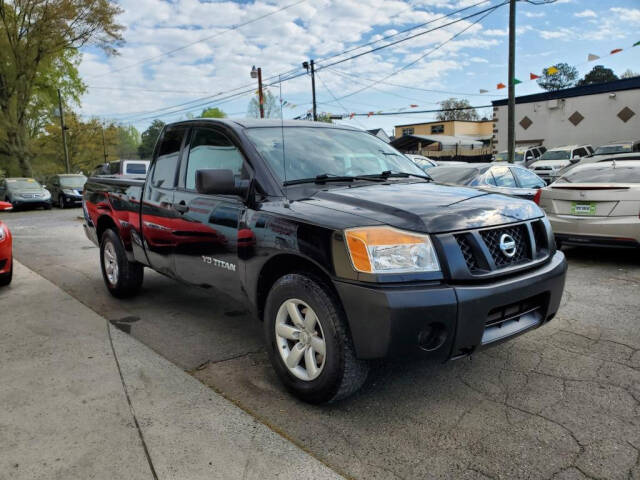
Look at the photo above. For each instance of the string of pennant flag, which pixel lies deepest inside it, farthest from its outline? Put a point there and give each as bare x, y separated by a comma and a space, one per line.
553, 70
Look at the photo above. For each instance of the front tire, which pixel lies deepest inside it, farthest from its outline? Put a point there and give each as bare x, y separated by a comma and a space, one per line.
308, 340
61, 202
5, 278
122, 277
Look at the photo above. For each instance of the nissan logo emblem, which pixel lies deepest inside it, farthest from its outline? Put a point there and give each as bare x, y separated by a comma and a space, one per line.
507, 245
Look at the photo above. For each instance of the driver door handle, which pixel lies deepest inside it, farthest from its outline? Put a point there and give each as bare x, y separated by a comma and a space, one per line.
181, 207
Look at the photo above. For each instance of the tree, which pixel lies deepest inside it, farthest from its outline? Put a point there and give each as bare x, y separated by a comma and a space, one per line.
598, 74
465, 112
212, 113
270, 104
149, 137
628, 73
38, 54
128, 141
565, 77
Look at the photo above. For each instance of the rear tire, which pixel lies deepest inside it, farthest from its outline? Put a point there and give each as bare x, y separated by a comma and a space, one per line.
5, 278
313, 377
122, 277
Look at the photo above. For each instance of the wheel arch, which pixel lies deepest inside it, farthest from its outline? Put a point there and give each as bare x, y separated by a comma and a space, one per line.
283, 264
105, 222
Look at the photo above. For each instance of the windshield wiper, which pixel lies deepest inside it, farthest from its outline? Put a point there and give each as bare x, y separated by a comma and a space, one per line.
329, 177
392, 173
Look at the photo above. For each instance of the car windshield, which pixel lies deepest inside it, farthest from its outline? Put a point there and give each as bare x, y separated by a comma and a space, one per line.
556, 155
455, 175
22, 184
310, 152
423, 163
604, 149
504, 157
73, 182
603, 174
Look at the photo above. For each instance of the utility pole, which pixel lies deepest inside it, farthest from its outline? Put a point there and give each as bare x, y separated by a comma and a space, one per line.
511, 120
311, 65
104, 145
63, 127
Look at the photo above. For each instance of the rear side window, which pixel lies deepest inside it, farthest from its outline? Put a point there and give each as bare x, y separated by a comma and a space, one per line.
528, 179
136, 169
603, 174
503, 177
211, 149
164, 169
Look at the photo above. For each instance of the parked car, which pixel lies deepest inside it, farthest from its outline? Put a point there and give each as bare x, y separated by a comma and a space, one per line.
123, 167
6, 254
553, 160
66, 189
424, 163
24, 192
596, 204
619, 157
618, 147
341, 245
508, 179
522, 156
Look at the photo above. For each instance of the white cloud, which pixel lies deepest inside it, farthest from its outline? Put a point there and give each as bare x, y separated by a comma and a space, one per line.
496, 32
478, 60
585, 14
534, 14
631, 15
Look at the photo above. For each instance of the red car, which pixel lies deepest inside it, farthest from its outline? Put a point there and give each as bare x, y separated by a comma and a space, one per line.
6, 260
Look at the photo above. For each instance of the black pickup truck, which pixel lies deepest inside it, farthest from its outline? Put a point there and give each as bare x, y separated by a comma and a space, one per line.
345, 250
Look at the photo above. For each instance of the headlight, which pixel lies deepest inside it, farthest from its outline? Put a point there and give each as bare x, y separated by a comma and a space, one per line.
67, 191
46, 194
3, 235
389, 250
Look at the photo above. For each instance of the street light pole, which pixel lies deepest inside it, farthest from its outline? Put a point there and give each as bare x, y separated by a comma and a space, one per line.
257, 73
104, 145
307, 65
63, 127
511, 137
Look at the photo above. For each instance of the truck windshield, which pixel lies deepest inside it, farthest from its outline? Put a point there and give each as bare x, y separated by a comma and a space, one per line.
311, 152
73, 182
556, 155
504, 157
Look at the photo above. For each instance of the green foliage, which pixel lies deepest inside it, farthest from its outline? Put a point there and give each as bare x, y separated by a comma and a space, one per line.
212, 113
39, 44
127, 142
452, 103
564, 78
598, 74
149, 138
324, 117
270, 104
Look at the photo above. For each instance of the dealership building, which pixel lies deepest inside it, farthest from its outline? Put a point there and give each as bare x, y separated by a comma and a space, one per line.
590, 114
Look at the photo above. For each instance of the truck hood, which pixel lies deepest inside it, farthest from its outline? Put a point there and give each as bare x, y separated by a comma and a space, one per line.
426, 207
550, 164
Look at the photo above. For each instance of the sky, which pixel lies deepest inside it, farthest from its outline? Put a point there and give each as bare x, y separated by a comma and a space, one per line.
181, 56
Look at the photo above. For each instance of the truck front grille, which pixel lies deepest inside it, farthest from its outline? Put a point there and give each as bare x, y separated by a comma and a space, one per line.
483, 254
520, 236
514, 311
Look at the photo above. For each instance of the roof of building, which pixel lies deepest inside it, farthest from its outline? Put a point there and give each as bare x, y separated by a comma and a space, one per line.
445, 140
443, 121
615, 86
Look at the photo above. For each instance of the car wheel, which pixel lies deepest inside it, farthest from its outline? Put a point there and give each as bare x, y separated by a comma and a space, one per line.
122, 277
61, 201
308, 340
558, 243
5, 278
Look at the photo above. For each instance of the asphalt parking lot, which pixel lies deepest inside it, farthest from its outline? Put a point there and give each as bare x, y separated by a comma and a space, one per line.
560, 402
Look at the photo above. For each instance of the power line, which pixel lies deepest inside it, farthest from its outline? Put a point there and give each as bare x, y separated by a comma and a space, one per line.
334, 97
218, 34
436, 110
486, 12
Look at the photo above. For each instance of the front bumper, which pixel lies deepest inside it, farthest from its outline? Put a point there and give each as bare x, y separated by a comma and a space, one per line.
447, 321
30, 202
71, 200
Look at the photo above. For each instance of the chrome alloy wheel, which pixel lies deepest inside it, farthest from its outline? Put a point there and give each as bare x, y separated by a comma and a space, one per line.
300, 339
110, 263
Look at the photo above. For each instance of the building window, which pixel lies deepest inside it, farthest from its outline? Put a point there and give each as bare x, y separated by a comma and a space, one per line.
407, 131
437, 129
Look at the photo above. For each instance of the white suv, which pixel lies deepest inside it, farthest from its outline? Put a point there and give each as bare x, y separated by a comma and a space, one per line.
555, 159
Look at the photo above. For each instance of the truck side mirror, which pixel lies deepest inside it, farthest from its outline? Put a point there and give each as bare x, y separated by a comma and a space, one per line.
575, 159
219, 182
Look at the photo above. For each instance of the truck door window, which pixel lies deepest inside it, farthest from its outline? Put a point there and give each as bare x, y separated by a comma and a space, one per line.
211, 149
164, 171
